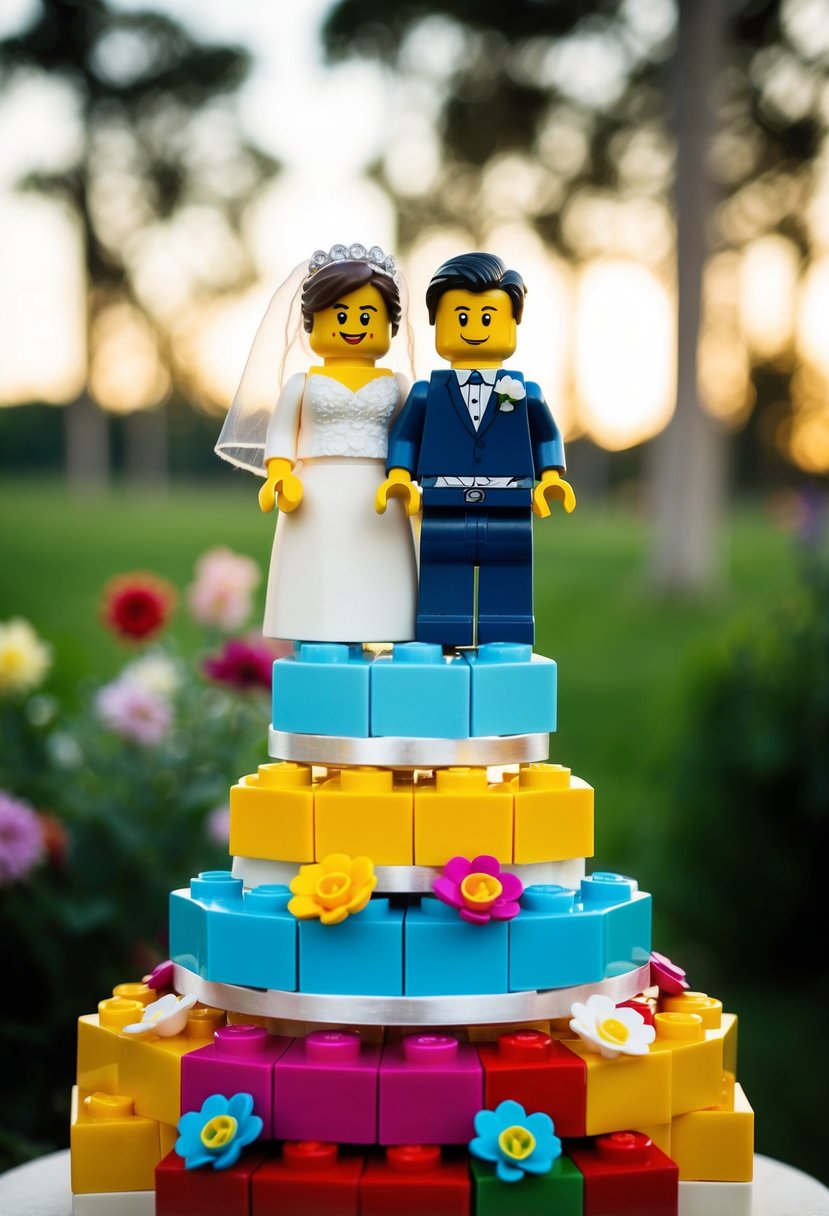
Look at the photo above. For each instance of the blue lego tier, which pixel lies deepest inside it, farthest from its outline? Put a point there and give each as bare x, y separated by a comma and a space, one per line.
410, 945
414, 691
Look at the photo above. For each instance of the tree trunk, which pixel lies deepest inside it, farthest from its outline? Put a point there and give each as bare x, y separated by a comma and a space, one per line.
688, 472
86, 439
146, 448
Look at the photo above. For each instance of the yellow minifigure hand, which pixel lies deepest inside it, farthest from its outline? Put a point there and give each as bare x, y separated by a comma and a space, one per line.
552, 486
398, 484
282, 488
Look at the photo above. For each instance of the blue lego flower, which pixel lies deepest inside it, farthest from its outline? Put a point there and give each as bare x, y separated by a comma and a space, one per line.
518, 1143
217, 1133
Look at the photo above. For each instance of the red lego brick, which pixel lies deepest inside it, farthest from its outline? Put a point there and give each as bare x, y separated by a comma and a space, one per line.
204, 1192
540, 1073
625, 1174
311, 1178
413, 1179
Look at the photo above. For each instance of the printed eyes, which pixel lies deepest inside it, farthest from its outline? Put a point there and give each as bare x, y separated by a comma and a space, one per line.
486, 319
463, 319
365, 318
342, 317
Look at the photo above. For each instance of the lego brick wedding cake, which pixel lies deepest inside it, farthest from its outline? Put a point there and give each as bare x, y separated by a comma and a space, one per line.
406, 994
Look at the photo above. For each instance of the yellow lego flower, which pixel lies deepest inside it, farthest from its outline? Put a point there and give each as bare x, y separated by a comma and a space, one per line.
333, 888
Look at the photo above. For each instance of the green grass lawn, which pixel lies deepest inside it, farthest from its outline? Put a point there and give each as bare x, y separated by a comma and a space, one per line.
623, 653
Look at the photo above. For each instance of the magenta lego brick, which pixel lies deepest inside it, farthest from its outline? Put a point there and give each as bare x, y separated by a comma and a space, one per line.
325, 1088
431, 1088
240, 1059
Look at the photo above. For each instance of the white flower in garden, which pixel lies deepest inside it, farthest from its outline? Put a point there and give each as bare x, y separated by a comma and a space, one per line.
222, 594
155, 672
609, 1030
163, 1018
134, 712
24, 657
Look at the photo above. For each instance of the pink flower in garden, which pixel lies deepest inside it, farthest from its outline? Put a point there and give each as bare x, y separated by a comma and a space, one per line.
217, 825
244, 663
667, 976
222, 594
21, 839
134, 712
479, 889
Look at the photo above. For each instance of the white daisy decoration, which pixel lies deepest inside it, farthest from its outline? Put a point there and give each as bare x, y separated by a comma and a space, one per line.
610, 1031
163, 1018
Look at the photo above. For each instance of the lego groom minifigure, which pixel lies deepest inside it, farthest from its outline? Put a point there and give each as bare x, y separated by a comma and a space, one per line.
477, 439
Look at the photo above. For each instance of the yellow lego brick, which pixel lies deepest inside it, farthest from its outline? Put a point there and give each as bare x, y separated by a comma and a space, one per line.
99, 1042
696, 1060
708, 1007
111, 1147
553, 814
272, 813
364, 811
460, 814
716, 1145
630, 1091
150, 1070
167, 1136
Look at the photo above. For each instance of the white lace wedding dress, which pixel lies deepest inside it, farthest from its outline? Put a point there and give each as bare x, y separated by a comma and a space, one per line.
339, 571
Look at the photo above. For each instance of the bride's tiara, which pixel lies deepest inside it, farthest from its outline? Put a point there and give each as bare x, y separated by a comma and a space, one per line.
375, 257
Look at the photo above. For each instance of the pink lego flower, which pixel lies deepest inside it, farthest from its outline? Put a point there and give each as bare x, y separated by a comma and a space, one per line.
134, 712
667, 976
479, 889
21, 839
222, 594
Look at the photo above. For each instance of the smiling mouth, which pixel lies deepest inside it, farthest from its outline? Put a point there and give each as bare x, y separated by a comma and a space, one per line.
474, 341
352, 339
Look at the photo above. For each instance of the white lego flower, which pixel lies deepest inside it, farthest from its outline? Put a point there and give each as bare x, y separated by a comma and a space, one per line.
163, 1018
508, 390
611, 1031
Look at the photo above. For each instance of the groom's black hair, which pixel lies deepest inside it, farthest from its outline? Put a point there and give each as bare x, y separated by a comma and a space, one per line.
476, 272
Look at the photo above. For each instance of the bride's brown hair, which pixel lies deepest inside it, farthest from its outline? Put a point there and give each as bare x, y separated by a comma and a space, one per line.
326, 286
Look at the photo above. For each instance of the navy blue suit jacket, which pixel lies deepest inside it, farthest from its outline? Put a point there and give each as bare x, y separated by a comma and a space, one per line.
433, 435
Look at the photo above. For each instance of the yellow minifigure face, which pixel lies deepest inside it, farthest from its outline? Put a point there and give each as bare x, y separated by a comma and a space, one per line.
355, 328
475, 329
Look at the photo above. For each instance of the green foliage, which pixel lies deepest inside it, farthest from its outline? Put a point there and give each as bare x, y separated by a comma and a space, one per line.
125, 820
752, 787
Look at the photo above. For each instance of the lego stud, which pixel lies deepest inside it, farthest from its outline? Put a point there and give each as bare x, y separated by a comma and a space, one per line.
525, 1045
308, 1156
332, 1046
109, 1106
413, 1158
430, 1049
685, 1026
116, 1012
624, 1148
241, 1040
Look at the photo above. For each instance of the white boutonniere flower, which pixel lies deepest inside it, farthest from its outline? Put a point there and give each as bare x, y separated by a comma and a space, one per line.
508, 390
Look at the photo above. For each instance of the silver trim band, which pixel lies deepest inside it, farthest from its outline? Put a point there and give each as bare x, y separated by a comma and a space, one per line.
472, 1010
389, 751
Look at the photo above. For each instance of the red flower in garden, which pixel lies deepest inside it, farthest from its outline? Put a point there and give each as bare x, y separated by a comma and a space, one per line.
138, 606
244, 663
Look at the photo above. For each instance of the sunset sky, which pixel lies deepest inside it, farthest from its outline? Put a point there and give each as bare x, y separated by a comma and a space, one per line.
599, 336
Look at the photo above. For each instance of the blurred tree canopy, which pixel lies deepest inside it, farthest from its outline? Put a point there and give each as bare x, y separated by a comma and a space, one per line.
156, 178
664, 132
584, 91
